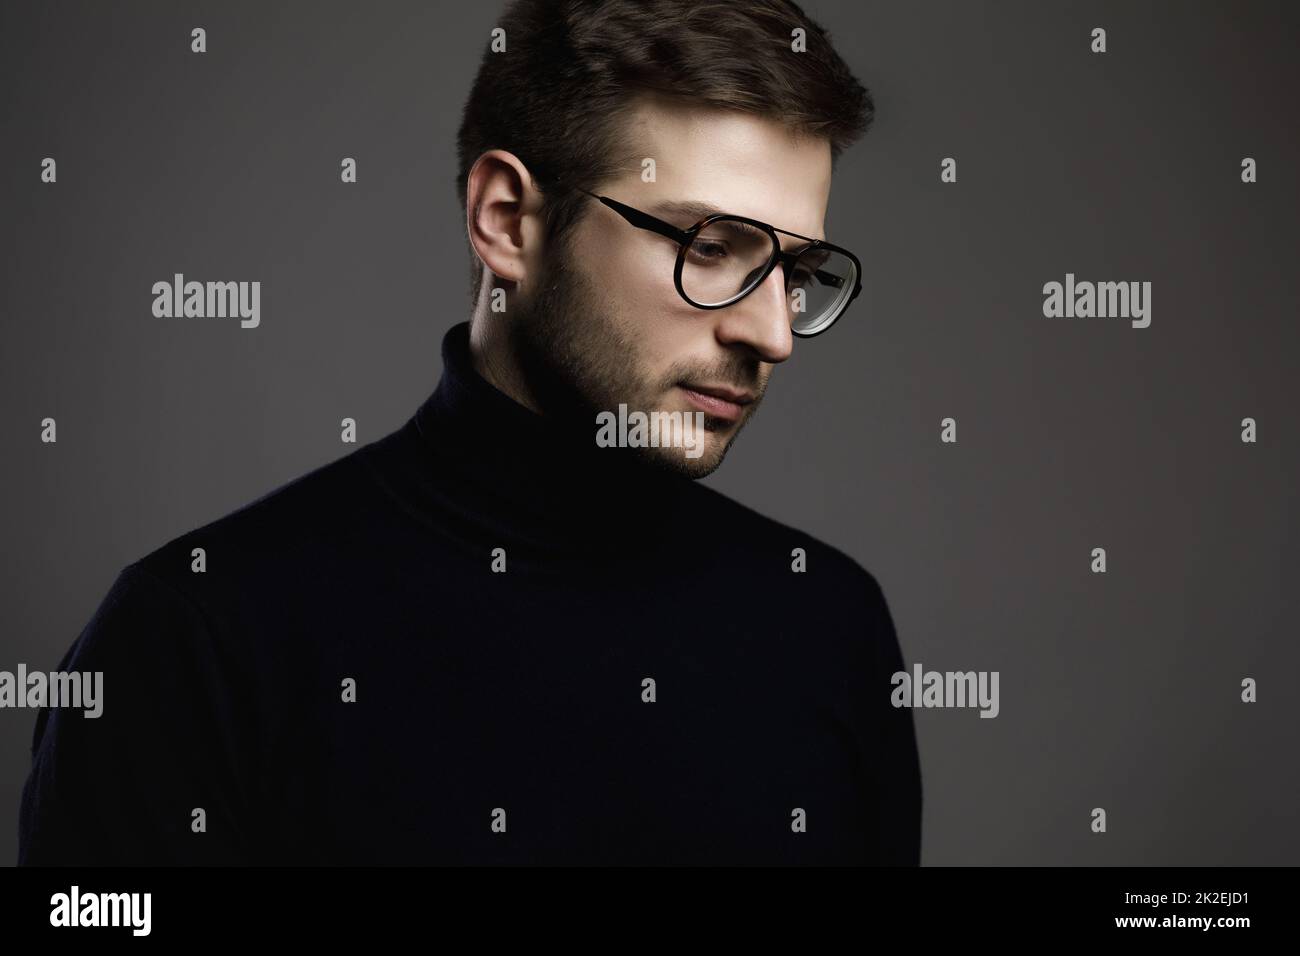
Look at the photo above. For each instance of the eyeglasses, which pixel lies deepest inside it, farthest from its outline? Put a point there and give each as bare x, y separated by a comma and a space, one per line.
723, 258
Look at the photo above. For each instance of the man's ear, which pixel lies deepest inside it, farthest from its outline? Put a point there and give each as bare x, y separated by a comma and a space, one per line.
502, 216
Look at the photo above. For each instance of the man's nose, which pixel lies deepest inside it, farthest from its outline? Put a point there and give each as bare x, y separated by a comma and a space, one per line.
760, 322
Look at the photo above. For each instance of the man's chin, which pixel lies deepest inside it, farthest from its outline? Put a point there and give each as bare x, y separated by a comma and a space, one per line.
698, 461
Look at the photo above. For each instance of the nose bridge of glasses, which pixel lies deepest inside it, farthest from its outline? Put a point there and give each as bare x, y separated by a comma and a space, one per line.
761, 275
824, 276
786, 259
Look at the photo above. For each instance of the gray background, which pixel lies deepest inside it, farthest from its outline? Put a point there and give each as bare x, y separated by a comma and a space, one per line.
1118, 690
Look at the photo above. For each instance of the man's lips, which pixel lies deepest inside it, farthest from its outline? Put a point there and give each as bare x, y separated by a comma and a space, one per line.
718, 400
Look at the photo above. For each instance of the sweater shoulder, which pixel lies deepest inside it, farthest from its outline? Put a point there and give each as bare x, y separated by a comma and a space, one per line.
295, 519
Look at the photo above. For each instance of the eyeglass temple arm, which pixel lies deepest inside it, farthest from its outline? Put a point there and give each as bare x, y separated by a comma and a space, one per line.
641, 219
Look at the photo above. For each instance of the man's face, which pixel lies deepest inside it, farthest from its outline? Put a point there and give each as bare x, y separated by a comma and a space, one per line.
607, 321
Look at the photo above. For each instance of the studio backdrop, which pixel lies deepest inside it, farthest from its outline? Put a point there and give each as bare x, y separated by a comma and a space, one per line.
1059, 425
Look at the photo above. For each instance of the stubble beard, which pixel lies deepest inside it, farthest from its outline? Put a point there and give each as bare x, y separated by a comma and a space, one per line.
578, 360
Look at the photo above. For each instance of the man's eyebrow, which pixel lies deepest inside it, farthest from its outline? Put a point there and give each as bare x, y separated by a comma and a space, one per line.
685, 209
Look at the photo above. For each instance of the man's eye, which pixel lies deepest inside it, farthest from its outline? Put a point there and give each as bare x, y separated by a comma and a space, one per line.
706, 250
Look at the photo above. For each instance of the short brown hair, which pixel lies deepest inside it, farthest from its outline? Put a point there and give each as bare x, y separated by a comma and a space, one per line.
557, 96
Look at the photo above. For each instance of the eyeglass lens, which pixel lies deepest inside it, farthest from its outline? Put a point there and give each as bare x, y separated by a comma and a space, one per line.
727, 258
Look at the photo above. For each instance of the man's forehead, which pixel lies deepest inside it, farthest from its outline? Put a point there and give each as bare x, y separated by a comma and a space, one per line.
708, 161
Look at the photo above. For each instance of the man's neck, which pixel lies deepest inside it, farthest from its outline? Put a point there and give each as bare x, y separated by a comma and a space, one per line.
494, 360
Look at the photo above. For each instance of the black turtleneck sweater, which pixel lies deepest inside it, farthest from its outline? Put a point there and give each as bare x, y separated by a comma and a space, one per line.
351, 681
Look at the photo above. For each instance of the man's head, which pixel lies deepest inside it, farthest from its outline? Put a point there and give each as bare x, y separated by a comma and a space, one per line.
663, 105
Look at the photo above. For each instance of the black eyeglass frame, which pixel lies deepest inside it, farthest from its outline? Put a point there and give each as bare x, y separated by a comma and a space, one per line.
684, 238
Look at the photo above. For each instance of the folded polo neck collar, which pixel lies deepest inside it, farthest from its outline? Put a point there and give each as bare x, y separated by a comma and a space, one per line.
499, 472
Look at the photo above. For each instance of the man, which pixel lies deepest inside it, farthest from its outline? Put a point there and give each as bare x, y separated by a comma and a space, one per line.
489, 637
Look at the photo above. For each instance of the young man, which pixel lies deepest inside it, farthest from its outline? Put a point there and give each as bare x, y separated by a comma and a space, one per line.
492, 636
